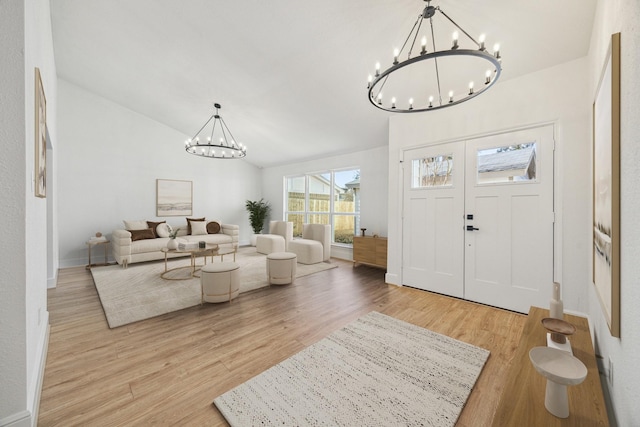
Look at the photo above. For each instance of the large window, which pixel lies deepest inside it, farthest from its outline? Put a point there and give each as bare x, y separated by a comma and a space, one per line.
331, 197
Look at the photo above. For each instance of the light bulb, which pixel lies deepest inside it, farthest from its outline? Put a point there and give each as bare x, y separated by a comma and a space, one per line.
393, 102
481, 39
496, 51
430, 101
410, 103
455, 40
470, 88
487, 76
424, 45
380, 98
377, 69
450, 96
395, 56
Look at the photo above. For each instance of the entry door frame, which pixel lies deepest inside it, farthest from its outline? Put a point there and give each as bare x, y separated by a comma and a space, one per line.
557, 190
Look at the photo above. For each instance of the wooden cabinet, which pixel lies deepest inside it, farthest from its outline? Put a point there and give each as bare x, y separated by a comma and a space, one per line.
370, 250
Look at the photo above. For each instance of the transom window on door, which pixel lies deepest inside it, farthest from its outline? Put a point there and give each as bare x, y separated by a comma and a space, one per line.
509, 163
331, 197
432, 171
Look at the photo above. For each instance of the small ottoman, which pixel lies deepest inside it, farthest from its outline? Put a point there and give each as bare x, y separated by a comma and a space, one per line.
220, 281
267, 243
281, 268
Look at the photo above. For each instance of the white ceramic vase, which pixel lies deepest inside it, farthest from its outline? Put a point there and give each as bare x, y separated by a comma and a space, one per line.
172, 244
253, 239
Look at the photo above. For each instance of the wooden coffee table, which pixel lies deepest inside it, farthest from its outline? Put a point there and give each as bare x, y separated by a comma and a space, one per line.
210, 250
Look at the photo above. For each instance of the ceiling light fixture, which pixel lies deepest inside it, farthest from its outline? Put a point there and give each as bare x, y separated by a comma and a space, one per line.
218, 145
427, 83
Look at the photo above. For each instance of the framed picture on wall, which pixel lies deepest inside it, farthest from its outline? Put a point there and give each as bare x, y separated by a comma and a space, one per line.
40, 175
606, 187
174, 197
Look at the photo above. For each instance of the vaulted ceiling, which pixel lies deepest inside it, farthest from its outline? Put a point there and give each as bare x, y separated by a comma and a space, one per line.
290, 75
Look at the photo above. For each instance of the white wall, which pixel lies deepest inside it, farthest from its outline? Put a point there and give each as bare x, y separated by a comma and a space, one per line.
554, 95
373, 187
109, 160
611, 17
25, 44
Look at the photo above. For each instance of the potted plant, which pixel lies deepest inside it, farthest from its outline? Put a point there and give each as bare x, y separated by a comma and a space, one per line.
258, 212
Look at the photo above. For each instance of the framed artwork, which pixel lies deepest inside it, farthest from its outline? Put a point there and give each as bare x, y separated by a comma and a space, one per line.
41, 139
606, 187
174, 198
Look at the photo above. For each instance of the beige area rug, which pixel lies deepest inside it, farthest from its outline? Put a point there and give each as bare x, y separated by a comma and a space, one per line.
138, 292
376, 371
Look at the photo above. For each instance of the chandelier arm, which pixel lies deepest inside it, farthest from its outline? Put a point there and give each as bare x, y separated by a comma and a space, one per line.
382, 85
213, 128
459, 27
233, 141
203, 126
409, 35
435, 60
415, 37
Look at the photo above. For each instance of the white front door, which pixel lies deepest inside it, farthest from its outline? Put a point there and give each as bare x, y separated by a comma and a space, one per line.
478, 219
509, 241
433, 219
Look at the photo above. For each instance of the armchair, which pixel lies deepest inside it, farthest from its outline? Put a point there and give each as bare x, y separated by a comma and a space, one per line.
315, 245
280, 234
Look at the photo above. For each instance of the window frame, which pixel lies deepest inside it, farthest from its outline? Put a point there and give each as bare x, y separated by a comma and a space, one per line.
331, 214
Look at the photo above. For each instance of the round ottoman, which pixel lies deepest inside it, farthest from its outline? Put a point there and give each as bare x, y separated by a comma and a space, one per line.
267, 243
220, 281
281, 268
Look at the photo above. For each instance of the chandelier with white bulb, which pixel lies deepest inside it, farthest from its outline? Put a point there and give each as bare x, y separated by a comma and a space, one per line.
217, 145
424, 78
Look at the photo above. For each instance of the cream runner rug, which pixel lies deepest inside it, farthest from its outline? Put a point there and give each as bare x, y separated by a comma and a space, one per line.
138, 292
376, 371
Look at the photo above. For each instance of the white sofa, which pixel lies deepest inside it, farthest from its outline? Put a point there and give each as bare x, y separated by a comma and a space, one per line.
127, 251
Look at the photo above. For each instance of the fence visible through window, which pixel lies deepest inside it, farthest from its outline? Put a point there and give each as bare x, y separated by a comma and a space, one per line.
327, 198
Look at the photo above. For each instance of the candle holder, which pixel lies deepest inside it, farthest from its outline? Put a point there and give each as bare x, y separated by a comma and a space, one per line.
362, 230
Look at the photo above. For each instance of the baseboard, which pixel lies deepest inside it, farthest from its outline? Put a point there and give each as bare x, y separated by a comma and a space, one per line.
53, 281
28, 418
40, 379
392, 279
19, 419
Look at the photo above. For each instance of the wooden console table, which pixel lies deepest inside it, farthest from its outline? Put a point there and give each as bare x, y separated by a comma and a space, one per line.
522, 399
370, 250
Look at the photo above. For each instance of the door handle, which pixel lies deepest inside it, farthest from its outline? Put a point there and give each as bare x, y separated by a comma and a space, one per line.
471, 228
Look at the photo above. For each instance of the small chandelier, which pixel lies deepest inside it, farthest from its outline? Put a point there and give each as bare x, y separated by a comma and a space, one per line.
218, 145
437, 78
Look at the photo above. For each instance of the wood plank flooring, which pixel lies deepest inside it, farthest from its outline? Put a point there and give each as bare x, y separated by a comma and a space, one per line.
167, 370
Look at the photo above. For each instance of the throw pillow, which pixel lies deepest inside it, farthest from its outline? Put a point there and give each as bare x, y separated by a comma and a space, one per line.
147, 233
190, 220
163, 230
198, 228
213, 227
154, 226
135, 225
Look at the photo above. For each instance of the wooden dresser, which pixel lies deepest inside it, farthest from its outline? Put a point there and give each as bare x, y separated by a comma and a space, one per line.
522, 399
370, 250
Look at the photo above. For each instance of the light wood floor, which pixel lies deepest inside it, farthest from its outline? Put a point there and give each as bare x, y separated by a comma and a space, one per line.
168, 370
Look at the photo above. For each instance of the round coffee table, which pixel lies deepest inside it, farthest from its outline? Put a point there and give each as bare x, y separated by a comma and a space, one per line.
192, 267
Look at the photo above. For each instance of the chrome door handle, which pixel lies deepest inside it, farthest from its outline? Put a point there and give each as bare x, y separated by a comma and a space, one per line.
471, 228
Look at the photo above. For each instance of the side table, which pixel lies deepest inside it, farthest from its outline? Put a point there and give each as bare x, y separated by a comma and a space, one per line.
90, 244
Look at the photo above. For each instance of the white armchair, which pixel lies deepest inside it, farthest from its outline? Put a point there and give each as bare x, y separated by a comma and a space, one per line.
315, 245
280, 234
